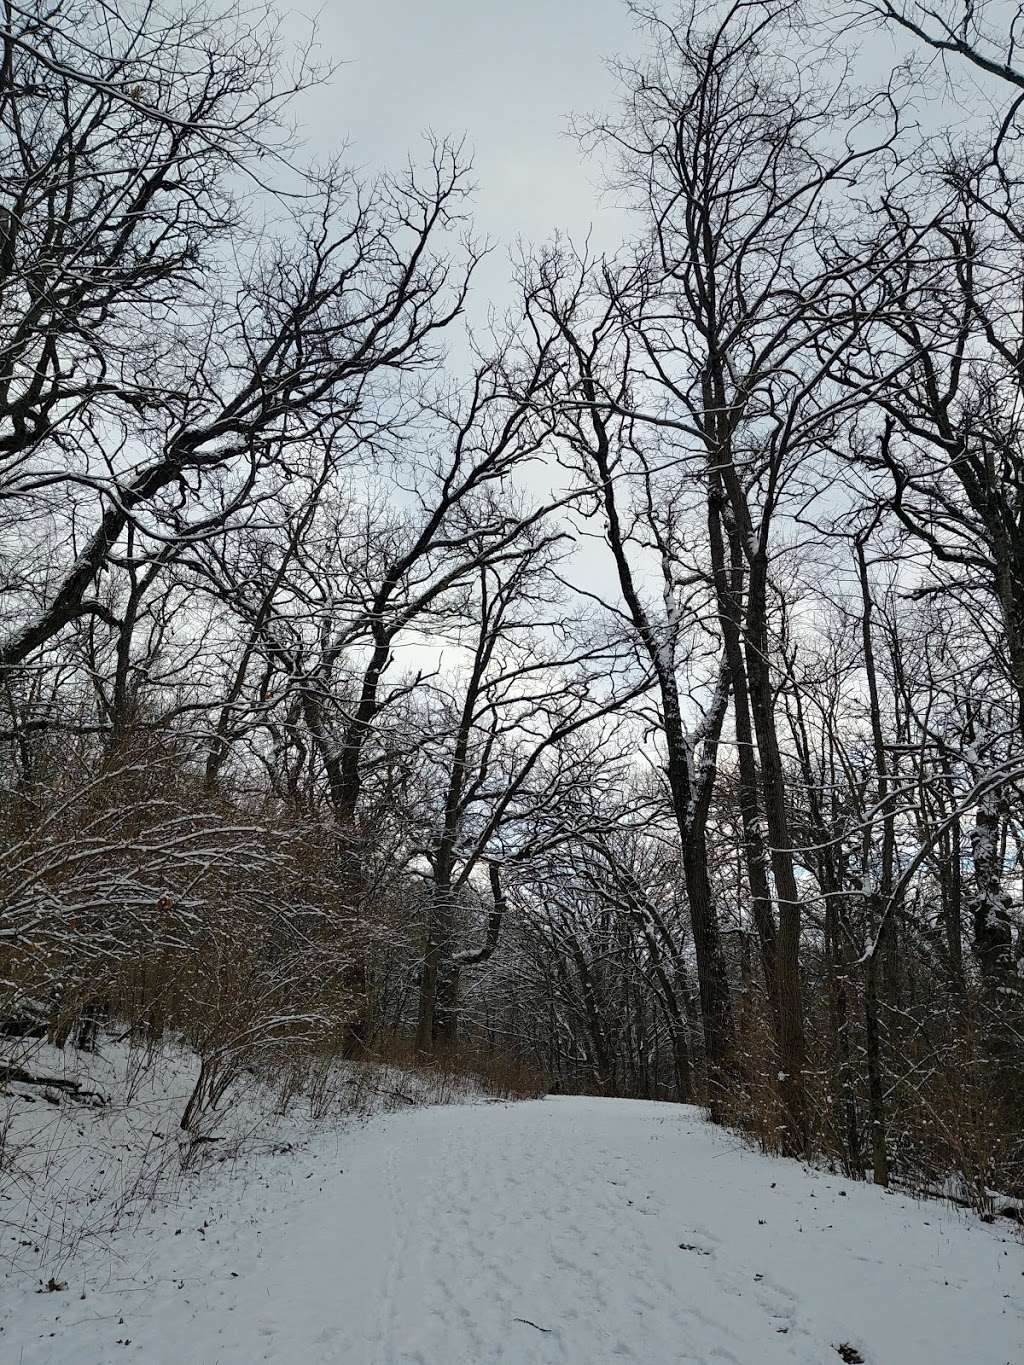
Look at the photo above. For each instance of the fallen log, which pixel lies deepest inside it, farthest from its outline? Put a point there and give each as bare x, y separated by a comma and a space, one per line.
72, 1088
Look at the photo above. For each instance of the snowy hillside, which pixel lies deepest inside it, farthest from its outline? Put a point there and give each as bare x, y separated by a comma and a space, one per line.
85, 1158
568, 1230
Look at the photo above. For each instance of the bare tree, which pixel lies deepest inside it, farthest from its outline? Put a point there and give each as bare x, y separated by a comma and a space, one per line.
159, 362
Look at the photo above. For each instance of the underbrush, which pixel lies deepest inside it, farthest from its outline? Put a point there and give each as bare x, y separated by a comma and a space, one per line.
951, 1124
451, 1069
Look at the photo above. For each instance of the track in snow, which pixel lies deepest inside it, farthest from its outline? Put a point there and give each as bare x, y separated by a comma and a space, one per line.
558, 1232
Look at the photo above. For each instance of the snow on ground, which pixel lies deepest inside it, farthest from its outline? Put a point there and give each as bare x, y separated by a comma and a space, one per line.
78, 1171
563, 1231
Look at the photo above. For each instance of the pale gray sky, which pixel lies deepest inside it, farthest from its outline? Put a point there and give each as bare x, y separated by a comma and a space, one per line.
506, 73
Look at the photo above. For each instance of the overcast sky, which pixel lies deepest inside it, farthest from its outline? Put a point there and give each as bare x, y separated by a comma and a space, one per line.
505, 73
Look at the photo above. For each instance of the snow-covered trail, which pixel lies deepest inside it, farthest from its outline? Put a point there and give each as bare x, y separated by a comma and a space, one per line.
559, 1232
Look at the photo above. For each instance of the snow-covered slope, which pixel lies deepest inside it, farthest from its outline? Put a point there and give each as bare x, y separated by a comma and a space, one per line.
576, 1231
77, 1169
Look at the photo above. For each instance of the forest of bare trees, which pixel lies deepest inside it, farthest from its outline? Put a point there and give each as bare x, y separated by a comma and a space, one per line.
630, 691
